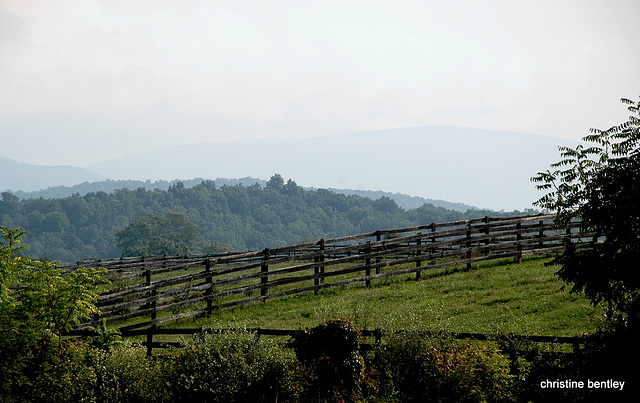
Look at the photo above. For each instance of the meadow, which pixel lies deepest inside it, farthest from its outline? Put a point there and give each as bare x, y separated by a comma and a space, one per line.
494, 297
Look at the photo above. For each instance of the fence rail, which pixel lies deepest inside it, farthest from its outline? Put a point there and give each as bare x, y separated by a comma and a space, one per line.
376, 334
148, 291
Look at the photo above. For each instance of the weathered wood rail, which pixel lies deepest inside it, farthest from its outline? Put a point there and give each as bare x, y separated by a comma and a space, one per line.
377, 335
148, 291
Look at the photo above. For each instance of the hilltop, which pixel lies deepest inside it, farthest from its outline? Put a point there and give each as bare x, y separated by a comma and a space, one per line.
244, 217
404, 201
20, 176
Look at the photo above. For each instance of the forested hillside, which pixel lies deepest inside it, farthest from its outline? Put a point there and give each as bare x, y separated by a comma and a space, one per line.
403, 200
246, 217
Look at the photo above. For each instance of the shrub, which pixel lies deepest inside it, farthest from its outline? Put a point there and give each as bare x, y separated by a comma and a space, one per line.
46, 371
38, 302
235, 367
415, 368
331, 359
126, 374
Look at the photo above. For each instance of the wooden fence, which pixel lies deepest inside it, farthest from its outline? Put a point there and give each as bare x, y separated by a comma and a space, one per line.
377, 335
148, 291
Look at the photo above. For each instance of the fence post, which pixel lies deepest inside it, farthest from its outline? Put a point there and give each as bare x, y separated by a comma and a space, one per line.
419, 255
567, 237
433, 238
487, 251
208, 280
264, 269
322, 260
468, 245
368, 264
152, 305
378, 259
541, 234
318, 269
518, 239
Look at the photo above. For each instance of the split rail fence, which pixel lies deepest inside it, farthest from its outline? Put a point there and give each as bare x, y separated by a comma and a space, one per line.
561, 345
148, 291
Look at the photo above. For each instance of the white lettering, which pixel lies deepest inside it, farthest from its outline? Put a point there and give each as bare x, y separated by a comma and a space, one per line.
570, 384
608, 384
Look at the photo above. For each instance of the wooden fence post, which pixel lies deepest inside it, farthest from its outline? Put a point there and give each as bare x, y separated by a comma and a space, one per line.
433, 238
468, 245
318, 270
264, 269
519, 238
208, 280
541, 234
378, 259
567, 238
419, 255
152, 305
368, 264
322, 260
487, 251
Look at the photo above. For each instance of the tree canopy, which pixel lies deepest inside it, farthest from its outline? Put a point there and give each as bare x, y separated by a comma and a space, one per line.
239, 217
600, 185
173, 234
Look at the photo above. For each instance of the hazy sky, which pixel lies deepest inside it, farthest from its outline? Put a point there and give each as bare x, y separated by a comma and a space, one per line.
83, 81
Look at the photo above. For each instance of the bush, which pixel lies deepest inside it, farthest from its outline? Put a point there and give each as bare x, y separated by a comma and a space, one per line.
126, 374
38, 302
414, 368
331, 360
47, 371
236, 367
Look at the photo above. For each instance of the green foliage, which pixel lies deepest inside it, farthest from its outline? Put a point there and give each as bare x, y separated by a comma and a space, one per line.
173, 234
275, 182
233, 368
47, 299
57, 300
10, 262
331, 359
46, 372
246, 217
414, 368
216, 247
38, 303
125, 374
600, 185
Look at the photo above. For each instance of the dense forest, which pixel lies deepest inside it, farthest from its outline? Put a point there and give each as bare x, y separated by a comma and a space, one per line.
239, 217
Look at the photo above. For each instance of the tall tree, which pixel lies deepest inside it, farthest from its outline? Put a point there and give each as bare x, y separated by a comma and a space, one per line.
600, 185
157, 235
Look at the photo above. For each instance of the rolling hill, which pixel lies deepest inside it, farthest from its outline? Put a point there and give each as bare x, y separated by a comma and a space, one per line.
484, 168
28, 177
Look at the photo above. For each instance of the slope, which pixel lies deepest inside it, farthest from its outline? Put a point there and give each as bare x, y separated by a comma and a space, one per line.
28, 177
483, 168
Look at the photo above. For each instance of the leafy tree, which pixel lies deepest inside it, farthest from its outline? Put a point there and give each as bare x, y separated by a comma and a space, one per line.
600, 186
38, 302
275, 182
47, 299
156, 235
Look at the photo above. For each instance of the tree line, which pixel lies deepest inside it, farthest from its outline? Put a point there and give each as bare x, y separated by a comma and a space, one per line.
219, 218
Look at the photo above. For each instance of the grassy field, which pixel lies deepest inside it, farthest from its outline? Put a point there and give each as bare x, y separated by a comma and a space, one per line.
496, 297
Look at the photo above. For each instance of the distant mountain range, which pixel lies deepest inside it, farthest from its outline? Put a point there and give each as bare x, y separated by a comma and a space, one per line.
468, 167
19, 176
484, 168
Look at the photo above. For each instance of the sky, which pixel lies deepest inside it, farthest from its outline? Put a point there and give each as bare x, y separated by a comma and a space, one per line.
84, 81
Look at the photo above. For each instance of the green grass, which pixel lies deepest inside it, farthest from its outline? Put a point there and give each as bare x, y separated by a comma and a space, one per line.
494, 297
